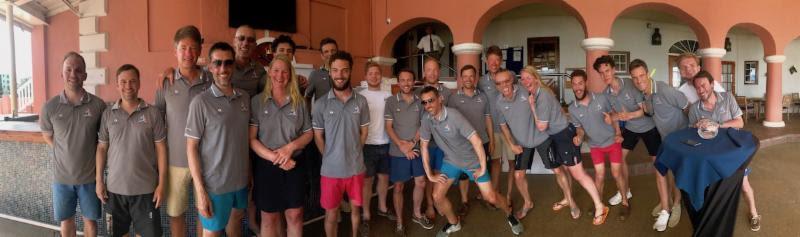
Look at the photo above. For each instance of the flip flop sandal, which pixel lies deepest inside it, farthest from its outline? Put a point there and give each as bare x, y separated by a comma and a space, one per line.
557, 206
599, 220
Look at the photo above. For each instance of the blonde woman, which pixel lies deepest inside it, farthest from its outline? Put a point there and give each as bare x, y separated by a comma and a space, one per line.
280, 126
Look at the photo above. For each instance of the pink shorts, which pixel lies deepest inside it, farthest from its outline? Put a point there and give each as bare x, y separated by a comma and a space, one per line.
614, 152
333, 188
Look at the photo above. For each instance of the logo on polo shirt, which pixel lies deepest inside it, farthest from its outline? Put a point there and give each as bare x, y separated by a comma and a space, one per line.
142, 119
243, 107
416, 109
657, 101
627, 96
292, 113
446, 127
478, 100
523, 98
87, 113
356, 110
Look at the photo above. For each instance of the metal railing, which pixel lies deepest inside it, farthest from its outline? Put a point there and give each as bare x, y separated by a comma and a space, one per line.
25, 95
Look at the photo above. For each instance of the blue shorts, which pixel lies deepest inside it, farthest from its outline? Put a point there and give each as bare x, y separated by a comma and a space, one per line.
221, 205
404, 169
453, 172
67, 197
436, 156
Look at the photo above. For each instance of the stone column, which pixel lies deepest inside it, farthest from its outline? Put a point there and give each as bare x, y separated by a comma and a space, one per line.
773, 110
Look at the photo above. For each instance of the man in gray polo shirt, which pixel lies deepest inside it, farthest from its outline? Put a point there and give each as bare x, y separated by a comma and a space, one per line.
464, 155
217, 147
627, 102
431, 78
249, 75
666, 105
319, 82
337, 119
721, 108
474, 105
502, 151
133, 138
175, 96
516, 122
69, 123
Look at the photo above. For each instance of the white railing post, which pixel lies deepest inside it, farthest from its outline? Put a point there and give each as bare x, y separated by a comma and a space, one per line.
25, 95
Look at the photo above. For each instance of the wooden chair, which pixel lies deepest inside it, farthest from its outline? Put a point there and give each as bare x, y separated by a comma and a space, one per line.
796, 100
786, 104
745, 105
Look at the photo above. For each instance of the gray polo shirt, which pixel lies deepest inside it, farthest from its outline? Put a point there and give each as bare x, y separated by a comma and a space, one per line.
453, 132
220, 123
628, 100
666, 105
251, 78
74, 130
590, 118
725, 109
475, 108
176, 98
342, 123
487, 86
132, 160
516, 113
319, 83
405, 119
278, 125
548, 109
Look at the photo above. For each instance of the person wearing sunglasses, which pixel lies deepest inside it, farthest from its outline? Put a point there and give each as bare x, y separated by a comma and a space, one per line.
175, 96
464, 154
248, 74
217, 147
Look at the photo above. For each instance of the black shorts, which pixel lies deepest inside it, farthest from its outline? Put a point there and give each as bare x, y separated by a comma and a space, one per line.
564, 152
275, 189
139, 210
488, 162
376, 159
651, 138
524, 160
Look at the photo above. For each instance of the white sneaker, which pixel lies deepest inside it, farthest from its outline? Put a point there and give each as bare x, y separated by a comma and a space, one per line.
617, 198
661, 221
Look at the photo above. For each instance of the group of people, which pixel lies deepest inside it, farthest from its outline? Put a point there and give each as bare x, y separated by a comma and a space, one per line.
240, 133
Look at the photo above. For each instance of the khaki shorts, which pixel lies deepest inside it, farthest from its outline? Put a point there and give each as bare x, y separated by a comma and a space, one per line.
502, 148
178, 180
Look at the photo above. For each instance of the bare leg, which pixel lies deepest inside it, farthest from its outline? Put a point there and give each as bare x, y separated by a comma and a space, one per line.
366, 195
510, 178
562, 178
383, 187
463, 186
89, 227
600, 177
661, 186
397, 198
442, 203
270, 224
622, 185
493, 197
749, 196
676, 192
417, 195
494, 173
624, 166
331, 222
294, 222
520, 178
234, 226
579, 174
355, 217
68, 228
252, 222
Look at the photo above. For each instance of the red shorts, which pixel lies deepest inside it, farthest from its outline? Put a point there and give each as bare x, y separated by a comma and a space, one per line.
333, 188
614, 152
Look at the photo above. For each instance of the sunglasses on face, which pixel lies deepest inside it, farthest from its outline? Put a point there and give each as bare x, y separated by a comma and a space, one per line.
248, 39
428, 101
218, 63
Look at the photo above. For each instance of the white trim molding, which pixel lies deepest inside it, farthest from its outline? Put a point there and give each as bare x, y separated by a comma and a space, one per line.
774, 124
597, 43
383, 61
775, 59
467, 48
712, 52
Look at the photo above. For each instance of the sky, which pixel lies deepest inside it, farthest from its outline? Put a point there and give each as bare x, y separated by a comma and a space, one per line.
23, 51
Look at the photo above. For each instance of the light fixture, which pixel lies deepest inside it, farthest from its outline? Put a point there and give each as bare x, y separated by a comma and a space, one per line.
727, 44
656, 38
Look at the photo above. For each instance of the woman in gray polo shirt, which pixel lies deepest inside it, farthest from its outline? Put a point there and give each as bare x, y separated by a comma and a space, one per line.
280, 127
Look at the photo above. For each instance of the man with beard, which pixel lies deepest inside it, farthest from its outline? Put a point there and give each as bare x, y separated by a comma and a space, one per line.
190, 80
337, 118
475, 107
666, 105
590, 114
403, 112
69, 123
464, 155
217, 147
721, 108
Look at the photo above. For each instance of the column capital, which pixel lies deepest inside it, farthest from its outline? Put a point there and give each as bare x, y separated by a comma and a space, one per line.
774, 124
712, 52
775, 58
383, 61
597, 43
467, 48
